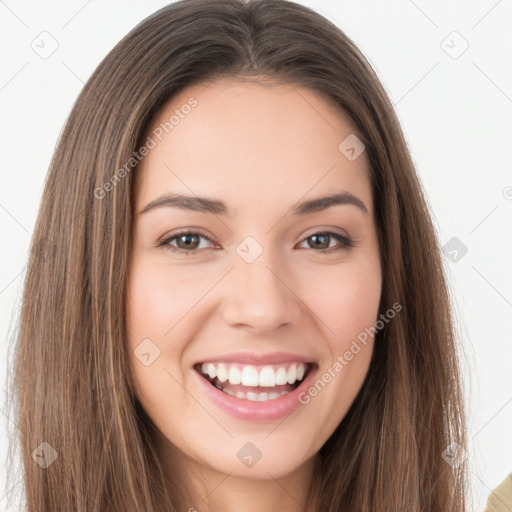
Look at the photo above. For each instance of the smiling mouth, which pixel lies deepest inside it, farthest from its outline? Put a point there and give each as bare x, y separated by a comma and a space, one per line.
255, 383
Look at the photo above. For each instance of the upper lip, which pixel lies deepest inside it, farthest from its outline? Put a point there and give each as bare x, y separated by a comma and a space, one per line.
258, 359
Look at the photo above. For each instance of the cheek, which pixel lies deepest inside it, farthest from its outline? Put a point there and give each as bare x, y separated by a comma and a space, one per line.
347, 302
158, 297
151, 311
347, 306
155, 303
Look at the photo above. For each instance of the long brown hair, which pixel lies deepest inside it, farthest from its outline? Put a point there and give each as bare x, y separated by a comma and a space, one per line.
71, 384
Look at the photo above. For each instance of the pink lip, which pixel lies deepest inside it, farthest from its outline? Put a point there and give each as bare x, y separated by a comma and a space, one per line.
257, 359
256, 411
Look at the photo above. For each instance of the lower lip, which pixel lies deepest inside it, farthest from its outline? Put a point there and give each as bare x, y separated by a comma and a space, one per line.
250, 410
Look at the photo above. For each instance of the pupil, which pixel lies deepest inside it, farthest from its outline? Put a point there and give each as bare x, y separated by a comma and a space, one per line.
320, 236
188, 243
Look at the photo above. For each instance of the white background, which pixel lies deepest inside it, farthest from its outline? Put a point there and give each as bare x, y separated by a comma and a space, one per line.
456, 114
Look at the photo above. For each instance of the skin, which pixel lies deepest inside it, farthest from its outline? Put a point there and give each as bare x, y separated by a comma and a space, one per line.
260, 149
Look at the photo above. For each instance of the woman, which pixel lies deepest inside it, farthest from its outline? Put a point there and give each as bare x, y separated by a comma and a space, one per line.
253, 371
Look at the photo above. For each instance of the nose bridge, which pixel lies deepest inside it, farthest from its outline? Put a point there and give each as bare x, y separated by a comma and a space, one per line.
260, 295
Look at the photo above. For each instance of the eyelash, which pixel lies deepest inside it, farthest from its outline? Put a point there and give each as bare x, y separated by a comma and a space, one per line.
347, 242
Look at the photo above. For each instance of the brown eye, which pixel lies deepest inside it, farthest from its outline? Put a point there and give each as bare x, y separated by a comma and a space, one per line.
322, 241
187, 242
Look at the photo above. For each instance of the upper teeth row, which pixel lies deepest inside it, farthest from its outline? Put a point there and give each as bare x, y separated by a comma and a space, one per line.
248, 375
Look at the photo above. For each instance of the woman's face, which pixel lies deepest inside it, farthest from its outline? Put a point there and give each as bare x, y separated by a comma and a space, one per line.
234, 280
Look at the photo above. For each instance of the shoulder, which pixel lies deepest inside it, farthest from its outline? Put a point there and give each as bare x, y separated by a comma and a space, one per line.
500, 499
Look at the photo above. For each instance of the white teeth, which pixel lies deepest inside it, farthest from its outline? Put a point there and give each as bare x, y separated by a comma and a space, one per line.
222, 373
235, 376
255, 397
250, 376
212, 371
281, 376
268, 376
292, 374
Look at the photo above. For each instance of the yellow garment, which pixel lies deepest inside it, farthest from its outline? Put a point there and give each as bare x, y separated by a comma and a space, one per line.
500, 500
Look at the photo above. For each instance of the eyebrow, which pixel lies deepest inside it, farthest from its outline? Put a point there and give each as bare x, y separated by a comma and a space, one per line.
217, 207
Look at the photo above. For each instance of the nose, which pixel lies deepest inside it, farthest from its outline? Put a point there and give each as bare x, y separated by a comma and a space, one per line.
261, 296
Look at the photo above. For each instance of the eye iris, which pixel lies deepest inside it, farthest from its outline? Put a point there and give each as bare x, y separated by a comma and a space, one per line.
188, 244
325, 237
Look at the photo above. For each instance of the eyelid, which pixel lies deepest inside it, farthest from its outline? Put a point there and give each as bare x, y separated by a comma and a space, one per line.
185, 231
324, 230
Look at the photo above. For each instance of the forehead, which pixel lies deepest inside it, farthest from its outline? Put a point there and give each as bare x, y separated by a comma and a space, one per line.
254, 141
